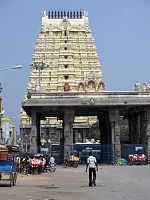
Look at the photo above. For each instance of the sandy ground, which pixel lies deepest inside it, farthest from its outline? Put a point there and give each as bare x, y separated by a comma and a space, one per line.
113, 182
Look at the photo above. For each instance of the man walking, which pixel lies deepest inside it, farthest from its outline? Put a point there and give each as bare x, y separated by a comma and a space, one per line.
92, 164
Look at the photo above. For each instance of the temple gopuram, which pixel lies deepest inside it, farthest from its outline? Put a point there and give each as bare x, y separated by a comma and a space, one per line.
64, 60
66, 93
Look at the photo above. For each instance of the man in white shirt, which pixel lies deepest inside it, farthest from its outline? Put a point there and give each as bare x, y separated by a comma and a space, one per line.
52, 160
44, 161
92, 164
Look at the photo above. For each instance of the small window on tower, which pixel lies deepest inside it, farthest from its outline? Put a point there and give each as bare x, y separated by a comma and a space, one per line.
65, 41
65, 48
66, 57
66, 66
65, 33
53, 135
66, 77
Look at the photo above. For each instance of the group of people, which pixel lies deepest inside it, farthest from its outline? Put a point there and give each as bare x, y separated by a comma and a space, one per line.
25, 163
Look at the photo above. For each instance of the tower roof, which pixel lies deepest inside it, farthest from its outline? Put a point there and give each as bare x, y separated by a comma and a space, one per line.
61, 20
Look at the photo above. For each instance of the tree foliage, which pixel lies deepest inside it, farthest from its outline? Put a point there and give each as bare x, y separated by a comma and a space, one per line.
94, 132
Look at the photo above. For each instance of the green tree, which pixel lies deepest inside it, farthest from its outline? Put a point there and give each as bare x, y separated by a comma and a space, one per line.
94, 132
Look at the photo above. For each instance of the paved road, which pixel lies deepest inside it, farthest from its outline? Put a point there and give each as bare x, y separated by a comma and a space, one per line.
113, 183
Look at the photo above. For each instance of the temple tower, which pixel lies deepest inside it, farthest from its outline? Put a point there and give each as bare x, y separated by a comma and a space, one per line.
64, 60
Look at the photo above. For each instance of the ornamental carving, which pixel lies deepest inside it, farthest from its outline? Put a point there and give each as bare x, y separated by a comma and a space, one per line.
33, 131
142, 88
101, 86
91, 76
91, 86
81, 87
92, 101
65, 24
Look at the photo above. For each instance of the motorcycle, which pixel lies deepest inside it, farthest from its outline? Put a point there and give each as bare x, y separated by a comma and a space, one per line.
52, 167
47, 166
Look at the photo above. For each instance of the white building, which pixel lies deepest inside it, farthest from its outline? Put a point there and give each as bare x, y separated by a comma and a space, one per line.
7, 130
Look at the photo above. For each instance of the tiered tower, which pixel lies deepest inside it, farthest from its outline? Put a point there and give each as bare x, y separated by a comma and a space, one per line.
64, 60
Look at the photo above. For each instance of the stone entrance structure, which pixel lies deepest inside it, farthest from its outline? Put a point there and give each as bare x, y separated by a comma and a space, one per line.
66, 89
107, 106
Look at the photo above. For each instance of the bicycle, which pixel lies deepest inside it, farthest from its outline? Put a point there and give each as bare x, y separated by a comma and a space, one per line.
71, 164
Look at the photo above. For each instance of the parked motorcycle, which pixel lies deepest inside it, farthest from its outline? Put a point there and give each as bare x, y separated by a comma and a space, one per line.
52, 167
47, 167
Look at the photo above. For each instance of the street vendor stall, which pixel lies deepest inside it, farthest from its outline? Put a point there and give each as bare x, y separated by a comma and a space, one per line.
37, 164
138, 157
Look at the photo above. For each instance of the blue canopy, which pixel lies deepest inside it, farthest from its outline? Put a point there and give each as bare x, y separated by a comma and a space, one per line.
7, 166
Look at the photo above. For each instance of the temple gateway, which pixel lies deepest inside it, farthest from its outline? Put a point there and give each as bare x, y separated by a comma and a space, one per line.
66, 93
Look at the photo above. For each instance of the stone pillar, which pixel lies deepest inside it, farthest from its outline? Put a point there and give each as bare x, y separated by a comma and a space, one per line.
143, 123
80, 136
84, 136
35, 133
114, 118
62, 134
69, 116
104, 125
102, 129
148, 134
134, 128
75, 136
105, 137
131, 129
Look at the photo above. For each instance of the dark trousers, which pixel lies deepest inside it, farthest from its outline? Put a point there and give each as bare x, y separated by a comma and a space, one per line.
92, 176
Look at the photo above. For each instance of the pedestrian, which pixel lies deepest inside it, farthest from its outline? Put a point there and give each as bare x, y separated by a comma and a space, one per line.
92, 165
71, 160
21, 164
44, 163
52, 160
26, 164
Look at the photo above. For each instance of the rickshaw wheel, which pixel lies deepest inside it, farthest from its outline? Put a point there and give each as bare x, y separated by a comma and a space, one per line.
11, 180
65, 165
75, 164
14, 179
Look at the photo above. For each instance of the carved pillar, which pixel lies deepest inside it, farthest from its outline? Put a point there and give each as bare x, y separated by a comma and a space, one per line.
134, 128
143, 123
68, 132
35, 133
114, 118
148, 134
